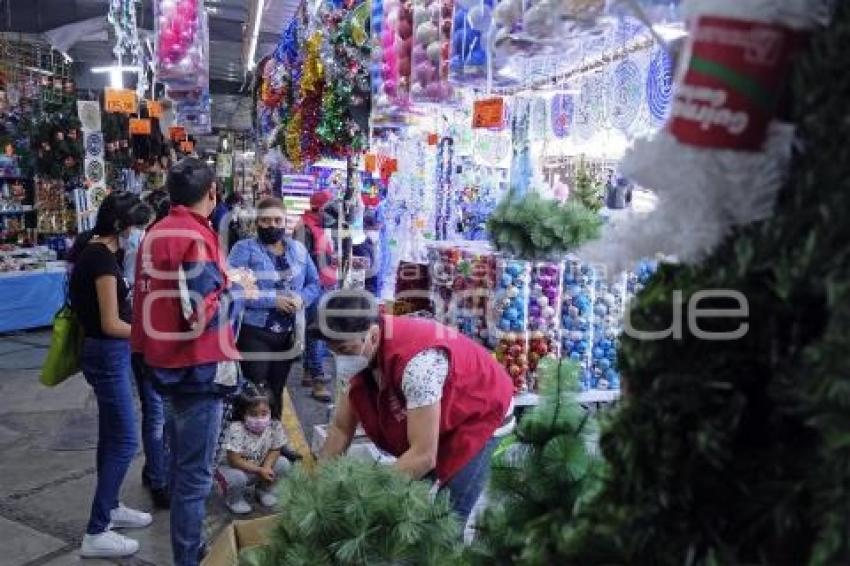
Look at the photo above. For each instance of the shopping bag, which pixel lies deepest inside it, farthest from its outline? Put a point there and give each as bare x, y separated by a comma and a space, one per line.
63, 357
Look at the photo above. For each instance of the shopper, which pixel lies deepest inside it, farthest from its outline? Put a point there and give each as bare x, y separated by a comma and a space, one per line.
99, 296
253, 444
155, 470
288, 284
423, 392
187, 339
310, 231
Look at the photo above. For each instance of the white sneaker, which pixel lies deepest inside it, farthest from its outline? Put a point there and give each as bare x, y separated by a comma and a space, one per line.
108, 544
267, 499
125, 518
240, 507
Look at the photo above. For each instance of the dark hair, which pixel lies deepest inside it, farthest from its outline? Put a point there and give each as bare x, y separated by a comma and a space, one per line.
160, 202
189, 181
251, 396
359, 313
118, 211
271, 202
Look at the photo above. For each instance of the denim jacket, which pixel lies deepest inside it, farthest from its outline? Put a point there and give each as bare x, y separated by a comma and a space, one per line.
251, 254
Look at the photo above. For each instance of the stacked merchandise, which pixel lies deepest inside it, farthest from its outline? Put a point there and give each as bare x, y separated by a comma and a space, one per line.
511, 319
462, 281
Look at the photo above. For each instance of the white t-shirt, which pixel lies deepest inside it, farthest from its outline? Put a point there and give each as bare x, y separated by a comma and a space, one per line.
254, 447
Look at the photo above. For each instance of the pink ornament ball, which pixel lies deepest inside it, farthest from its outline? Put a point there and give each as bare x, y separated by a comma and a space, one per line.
405, 29
424, 73
433, 90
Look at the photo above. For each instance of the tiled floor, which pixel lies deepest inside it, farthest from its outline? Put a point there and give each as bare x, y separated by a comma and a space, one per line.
47, 439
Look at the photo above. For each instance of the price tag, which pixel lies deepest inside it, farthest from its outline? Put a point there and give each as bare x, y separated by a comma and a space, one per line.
488, 113
187, 146
122, 101
433, 139
154, 108
177, 133
140, 127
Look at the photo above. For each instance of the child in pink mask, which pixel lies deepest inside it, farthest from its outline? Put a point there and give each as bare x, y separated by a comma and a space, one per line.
252, 444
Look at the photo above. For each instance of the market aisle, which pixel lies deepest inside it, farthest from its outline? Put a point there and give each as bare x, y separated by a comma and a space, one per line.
47, 438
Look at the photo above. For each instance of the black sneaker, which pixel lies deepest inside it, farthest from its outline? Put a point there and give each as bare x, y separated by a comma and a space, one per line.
161, 498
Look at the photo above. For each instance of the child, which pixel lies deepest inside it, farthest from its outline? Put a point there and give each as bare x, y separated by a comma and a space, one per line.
253, 444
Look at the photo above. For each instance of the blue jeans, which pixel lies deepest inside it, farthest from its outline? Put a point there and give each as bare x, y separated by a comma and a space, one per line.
466, 485
314, 349
153, 426
106, 364
194, 423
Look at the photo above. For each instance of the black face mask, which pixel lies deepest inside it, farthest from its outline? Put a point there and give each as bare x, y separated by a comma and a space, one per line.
270, 235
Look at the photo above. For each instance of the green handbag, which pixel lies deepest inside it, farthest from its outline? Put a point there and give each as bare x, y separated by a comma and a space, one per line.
63, 357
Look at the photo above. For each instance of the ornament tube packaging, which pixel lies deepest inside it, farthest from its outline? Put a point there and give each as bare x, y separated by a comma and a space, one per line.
181, 47
432, 24
724, 151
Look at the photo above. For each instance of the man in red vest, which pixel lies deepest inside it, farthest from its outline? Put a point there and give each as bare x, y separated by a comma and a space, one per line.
426, 394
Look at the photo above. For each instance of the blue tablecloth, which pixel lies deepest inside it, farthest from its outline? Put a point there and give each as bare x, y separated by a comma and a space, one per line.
30, 300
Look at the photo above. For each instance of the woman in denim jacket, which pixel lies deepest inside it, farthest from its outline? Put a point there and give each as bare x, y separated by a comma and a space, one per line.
288, 283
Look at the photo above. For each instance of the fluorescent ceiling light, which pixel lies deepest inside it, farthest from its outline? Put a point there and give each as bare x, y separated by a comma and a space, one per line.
255, 34
114, 68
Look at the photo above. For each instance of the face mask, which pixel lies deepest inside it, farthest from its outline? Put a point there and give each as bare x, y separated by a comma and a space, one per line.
257, 424
270, 235
131, 241
349, 365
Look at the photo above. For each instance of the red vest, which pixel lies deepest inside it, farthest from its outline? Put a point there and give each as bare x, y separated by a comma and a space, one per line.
476, 394
160, 330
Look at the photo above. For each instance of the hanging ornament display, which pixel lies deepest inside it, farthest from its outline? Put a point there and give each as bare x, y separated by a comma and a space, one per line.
590, 112
562, 114
445, 194
537, 125
721, 134
432, 22
626, 91
180, 46
659, 85
470, 29
122, 16
521, 170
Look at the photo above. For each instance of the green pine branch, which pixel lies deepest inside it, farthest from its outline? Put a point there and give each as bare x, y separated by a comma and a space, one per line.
534, 227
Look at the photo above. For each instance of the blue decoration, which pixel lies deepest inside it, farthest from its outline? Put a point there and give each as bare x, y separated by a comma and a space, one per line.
626, 93
659, 85
561, 115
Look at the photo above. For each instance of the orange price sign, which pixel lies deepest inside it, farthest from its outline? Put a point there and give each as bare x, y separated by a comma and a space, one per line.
177, 133
433, 139
121, 100
140, 127
371, 160
187, 146
154, 108
488, 113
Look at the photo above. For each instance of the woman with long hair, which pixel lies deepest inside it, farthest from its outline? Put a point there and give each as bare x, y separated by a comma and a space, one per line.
99, 296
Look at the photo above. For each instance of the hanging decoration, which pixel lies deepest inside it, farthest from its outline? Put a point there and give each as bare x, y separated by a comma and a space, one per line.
562, 115
445, 174
122, 16
724, 153
626, 94
659, 85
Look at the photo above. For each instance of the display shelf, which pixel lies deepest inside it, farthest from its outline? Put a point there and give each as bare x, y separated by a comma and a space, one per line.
529, 399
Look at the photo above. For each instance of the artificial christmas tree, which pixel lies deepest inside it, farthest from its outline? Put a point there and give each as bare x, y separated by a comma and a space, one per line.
736, 451
352, 512
586, 190
541, 479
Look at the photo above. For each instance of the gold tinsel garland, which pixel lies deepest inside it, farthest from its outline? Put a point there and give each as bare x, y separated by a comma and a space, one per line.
297, 135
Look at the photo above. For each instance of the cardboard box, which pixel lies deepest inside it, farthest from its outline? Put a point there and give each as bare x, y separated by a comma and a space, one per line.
238, 536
